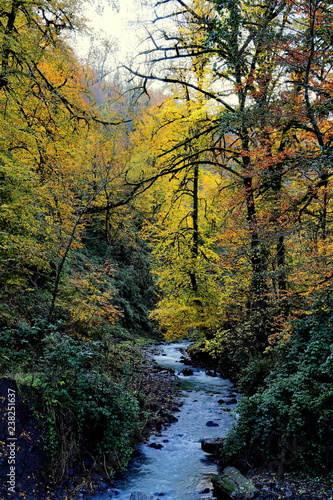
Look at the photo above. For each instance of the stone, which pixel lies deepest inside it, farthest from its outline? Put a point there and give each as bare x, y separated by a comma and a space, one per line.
156, 446
229, 401
212, 446
231, 484
187, 372
210, 423
185, 361
167, 417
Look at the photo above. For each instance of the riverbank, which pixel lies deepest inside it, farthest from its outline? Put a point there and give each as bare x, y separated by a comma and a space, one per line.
271, 485
290, 486
158, 394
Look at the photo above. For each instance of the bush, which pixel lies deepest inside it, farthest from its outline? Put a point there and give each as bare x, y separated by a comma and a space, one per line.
85, 413
288, 425
20, 346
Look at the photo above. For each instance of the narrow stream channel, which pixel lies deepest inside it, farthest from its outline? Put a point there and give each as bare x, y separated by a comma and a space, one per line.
180, 470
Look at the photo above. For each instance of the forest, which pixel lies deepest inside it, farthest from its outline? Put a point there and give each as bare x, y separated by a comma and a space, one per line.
187, 196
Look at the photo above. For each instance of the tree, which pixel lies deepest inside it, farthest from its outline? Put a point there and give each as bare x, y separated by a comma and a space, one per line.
232, 47
180, 223
48, 143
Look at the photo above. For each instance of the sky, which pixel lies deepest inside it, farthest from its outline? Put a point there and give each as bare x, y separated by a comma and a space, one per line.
124, 28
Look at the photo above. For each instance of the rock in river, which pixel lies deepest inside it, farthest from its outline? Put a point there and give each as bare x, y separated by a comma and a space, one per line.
213, 446
231, 484
187, 372
210, 423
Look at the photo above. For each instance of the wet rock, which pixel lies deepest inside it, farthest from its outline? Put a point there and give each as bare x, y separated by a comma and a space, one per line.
114, 492
185, 361
212, 446
205, 490
210, 423
162, 370
156, 446
231, 484
187, 372
172, 419
209, 373
168, 418
227, 401
166, 371
155, 351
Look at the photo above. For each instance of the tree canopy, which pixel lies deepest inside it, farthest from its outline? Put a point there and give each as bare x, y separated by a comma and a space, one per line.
201, 209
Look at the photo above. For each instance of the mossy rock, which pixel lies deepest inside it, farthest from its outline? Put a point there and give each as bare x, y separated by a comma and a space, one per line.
231, 484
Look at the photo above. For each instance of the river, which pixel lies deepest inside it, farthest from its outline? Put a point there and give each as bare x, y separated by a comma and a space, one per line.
180, 470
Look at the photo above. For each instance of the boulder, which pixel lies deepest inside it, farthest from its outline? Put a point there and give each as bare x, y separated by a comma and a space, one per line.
138, 495
185, 361
212, 446
228, 401
210, 423
157, 446
168, 418
232, 485
187, 372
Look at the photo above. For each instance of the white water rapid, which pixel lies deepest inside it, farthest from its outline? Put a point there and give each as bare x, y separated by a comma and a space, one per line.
180, 470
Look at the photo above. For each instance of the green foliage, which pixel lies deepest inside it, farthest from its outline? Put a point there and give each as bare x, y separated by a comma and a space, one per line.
20, 346
252, 376
236, 345
287, 424
82, 406
135, 290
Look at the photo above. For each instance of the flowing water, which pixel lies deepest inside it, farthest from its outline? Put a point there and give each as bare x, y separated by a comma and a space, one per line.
180, 470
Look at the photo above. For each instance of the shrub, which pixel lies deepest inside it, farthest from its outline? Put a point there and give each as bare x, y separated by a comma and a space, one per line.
84, 411
288, 425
